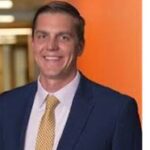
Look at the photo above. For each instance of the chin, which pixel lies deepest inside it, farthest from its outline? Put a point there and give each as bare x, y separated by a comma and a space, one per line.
53, 75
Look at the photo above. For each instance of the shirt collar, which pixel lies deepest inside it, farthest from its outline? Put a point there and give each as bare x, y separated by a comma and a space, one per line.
65, 94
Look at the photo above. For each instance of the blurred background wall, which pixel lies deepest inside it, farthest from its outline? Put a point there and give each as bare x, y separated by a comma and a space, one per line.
112, 54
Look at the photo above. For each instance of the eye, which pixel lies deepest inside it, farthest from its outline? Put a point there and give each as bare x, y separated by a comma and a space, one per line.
41, 36
64, 37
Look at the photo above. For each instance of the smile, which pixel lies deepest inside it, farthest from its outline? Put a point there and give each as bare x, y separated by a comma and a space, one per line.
52, 57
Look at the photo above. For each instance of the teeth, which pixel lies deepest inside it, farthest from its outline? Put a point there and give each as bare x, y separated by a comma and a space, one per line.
51, 57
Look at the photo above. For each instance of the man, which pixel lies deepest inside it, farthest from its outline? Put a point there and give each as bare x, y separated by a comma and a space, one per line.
87, 116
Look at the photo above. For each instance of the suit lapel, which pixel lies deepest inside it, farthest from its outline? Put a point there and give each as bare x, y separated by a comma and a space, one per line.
29, 98
80, 111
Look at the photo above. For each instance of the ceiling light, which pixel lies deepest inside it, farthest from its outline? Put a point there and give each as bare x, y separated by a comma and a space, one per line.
6, 4
6, 18
15, 31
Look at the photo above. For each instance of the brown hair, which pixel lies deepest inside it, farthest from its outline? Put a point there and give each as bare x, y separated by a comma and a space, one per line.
63, 7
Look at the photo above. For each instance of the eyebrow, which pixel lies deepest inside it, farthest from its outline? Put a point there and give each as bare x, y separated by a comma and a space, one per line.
65, 33
57, 34
41, 32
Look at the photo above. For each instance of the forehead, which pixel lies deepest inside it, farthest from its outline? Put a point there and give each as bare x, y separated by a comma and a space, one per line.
52, 19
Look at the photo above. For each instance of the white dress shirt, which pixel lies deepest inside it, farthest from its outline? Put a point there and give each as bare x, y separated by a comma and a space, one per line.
65, 96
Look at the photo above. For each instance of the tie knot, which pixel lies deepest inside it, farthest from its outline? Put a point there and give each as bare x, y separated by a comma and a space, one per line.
51, 102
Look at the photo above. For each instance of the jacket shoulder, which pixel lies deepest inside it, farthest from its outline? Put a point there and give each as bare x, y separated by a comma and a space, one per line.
19, 91
107, 94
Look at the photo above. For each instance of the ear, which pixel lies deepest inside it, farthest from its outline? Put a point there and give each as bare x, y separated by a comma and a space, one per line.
32, 42
80, 48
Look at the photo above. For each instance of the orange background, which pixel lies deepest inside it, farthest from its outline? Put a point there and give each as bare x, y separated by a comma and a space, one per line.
112, 54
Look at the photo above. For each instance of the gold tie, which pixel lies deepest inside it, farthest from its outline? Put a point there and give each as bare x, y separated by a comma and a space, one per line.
46, 133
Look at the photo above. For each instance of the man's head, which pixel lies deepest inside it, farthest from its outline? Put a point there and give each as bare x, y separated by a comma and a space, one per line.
62, 7
58, 39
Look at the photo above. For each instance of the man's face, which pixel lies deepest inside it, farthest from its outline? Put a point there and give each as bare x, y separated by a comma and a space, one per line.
56, 46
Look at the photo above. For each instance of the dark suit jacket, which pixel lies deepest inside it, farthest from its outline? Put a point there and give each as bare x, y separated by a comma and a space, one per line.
100, 119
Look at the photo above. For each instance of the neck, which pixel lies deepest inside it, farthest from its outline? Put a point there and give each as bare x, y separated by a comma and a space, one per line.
53, 85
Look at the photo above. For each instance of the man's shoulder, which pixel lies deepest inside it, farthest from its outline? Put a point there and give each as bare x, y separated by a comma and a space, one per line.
106, 94
109, 101
20, 91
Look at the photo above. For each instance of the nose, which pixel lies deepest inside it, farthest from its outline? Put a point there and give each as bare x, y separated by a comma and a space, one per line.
52, 44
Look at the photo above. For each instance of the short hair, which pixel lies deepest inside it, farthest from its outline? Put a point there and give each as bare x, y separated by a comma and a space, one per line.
63, 7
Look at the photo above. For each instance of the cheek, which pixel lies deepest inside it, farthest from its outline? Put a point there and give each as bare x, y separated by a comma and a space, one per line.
36, 46
37, 50
35, 53
72, 56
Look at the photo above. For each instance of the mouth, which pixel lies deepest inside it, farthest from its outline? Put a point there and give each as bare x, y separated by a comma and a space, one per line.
52, 58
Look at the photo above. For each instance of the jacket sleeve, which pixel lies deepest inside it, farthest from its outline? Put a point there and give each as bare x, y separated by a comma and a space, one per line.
1, 130
1, 139
127, 135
